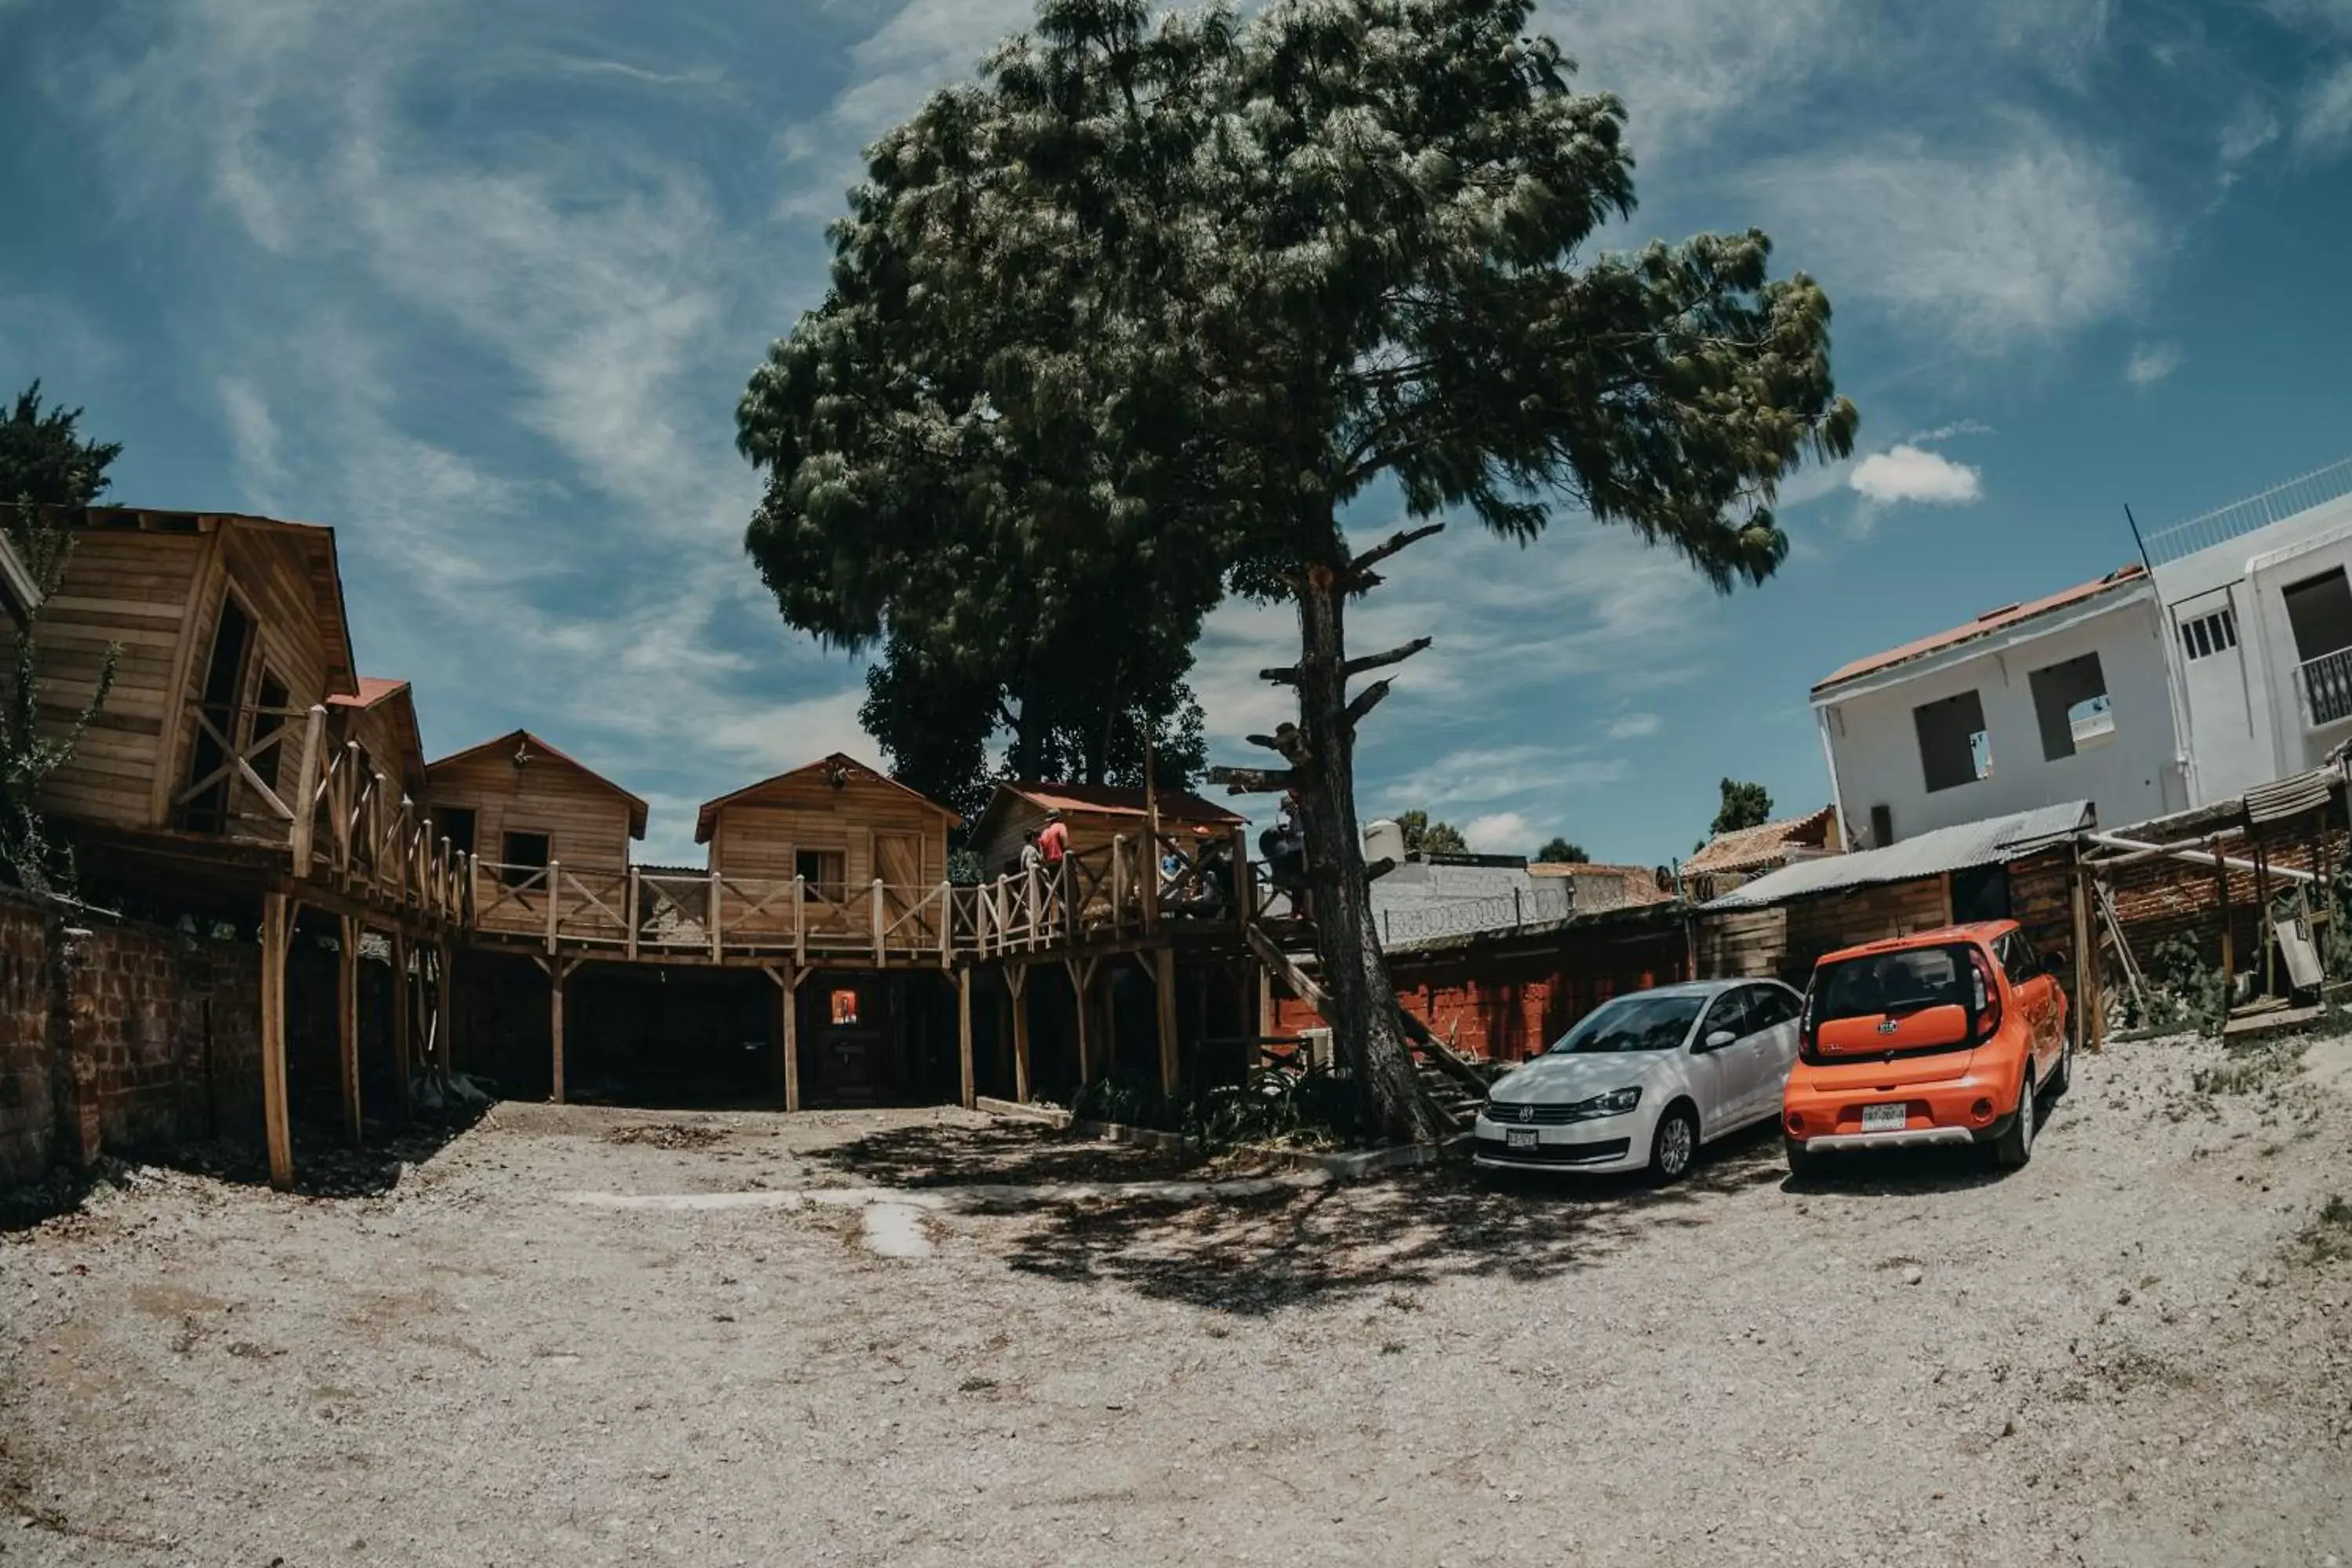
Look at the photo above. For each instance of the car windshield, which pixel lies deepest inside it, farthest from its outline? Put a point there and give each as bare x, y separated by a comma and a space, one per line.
1651, 1021
1902, 981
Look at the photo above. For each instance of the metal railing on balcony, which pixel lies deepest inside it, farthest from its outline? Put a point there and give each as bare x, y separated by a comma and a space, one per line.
2175, 541
2327, 683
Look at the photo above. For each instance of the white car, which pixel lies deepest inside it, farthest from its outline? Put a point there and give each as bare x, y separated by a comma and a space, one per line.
1644, 1080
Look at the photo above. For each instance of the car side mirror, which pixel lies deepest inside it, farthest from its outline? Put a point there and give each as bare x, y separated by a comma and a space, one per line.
1717, 1040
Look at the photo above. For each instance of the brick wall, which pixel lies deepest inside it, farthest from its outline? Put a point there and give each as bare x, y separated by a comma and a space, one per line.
1508, 999
115, 1035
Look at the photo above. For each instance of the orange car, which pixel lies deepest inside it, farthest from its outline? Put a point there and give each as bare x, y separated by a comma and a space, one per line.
1942, 1038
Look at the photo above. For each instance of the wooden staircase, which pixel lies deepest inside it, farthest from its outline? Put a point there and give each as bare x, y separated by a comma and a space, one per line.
1452, 1083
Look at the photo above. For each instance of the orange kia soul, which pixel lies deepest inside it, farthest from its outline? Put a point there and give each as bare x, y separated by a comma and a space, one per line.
1942, 1038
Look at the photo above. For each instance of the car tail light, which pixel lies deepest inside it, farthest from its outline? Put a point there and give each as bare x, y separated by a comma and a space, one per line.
1988, 996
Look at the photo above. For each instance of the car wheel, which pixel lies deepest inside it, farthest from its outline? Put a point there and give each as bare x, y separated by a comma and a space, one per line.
2063, 1074
1802, 1162
2016, 1145
1675, 1144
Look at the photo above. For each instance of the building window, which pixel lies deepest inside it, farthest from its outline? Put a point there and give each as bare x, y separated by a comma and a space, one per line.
1881, 826
826, 872
2070, 701
2209, 635
521, 857
845, 1008
1954, 748
2319, 609
456, 824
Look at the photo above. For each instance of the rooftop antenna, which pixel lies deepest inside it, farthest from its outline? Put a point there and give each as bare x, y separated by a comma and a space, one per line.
2137, 540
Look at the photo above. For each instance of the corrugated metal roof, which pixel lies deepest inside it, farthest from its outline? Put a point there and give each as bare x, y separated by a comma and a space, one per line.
1985, 843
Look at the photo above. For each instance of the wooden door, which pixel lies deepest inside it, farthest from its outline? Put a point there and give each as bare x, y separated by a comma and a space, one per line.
898, 862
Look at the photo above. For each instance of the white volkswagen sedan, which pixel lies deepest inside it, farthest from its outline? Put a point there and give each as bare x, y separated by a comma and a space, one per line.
1644, 1080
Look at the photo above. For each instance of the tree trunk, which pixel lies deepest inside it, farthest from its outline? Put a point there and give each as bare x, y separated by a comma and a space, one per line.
1366, 1023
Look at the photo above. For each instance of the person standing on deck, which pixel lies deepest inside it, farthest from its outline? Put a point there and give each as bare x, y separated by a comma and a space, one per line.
1032, 857
1054, 841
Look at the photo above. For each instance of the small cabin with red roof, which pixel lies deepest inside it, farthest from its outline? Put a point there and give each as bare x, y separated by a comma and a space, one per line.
1095, 815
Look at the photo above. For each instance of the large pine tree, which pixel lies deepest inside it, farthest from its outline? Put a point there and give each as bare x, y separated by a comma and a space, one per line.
1164, 297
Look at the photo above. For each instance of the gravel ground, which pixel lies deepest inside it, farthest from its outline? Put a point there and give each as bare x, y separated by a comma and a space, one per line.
2134, 1351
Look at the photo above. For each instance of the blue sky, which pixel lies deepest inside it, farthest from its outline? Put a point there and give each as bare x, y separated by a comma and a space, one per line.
478, 283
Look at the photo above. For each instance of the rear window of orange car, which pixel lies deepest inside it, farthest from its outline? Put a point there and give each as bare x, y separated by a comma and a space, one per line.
1901, 982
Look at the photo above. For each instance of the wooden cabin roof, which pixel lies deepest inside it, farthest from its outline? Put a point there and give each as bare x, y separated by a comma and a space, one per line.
514, 740
850, 768
1106, 801
397, 702
315, 542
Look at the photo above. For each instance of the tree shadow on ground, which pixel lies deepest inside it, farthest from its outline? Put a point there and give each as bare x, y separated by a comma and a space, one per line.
323, 1167
946, 1154
1267, 1251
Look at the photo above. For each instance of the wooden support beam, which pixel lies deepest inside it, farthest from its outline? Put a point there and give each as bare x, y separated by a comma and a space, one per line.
1163, 974
347, 1024
788, 1028
880, 922
306, 790
1082, 975
554, 872
2229, 938
2087, 1020
558, 971
403, 1024
1016, 981
718, 896
277, 926
970, 1087
444, 1014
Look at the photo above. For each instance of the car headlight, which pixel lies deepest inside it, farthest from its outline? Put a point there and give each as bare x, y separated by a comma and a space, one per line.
1616, 1102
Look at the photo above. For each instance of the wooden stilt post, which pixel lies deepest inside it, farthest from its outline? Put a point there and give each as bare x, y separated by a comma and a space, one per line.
2086, 963
2229, 937
277, 924
970, 1091
347, 1024
445, 1015
556, 972
1016, 981
632, 912
788, 1028
402, 1030
1163, 974
1082, 973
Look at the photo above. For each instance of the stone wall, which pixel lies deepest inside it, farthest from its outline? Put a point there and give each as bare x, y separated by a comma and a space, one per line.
117, 1036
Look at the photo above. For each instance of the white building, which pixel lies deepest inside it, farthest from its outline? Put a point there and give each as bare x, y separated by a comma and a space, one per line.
2224, 662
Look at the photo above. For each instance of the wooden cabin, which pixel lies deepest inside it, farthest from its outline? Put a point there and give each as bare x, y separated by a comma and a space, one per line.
800, 854
381, 717
1095, 815
230, 630
521, 806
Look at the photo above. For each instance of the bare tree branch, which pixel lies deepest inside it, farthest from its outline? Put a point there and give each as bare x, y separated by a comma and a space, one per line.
1286, 676
1400, 539
1393, 656
1365, 701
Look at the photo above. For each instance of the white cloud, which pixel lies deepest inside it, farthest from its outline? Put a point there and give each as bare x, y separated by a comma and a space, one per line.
1988, 249
1633, 726
1915, 474
2151, 363
1499, 833
2323, 118
2255, 127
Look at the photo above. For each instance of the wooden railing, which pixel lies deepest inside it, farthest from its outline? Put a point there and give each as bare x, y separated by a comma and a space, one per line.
345, 826
1129, 888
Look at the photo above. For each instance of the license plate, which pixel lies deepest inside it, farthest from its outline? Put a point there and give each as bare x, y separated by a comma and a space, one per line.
1884, 1118
1515, 1138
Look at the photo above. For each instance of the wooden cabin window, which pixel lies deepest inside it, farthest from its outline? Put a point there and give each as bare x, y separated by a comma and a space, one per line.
826, 872
270, 732
521, 857
206, 809
456, 824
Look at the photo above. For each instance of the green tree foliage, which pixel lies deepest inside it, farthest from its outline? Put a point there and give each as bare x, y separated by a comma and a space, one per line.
43, 463
1559, 851
1423, 835
1744, 805
1132, 320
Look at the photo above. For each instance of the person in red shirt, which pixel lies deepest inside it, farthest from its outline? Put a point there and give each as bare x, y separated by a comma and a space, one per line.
1054, 840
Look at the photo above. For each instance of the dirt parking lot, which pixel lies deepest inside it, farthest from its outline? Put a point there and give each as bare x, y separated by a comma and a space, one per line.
598, 1337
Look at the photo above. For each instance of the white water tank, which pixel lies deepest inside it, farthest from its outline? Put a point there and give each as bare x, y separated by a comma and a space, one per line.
1383, 840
